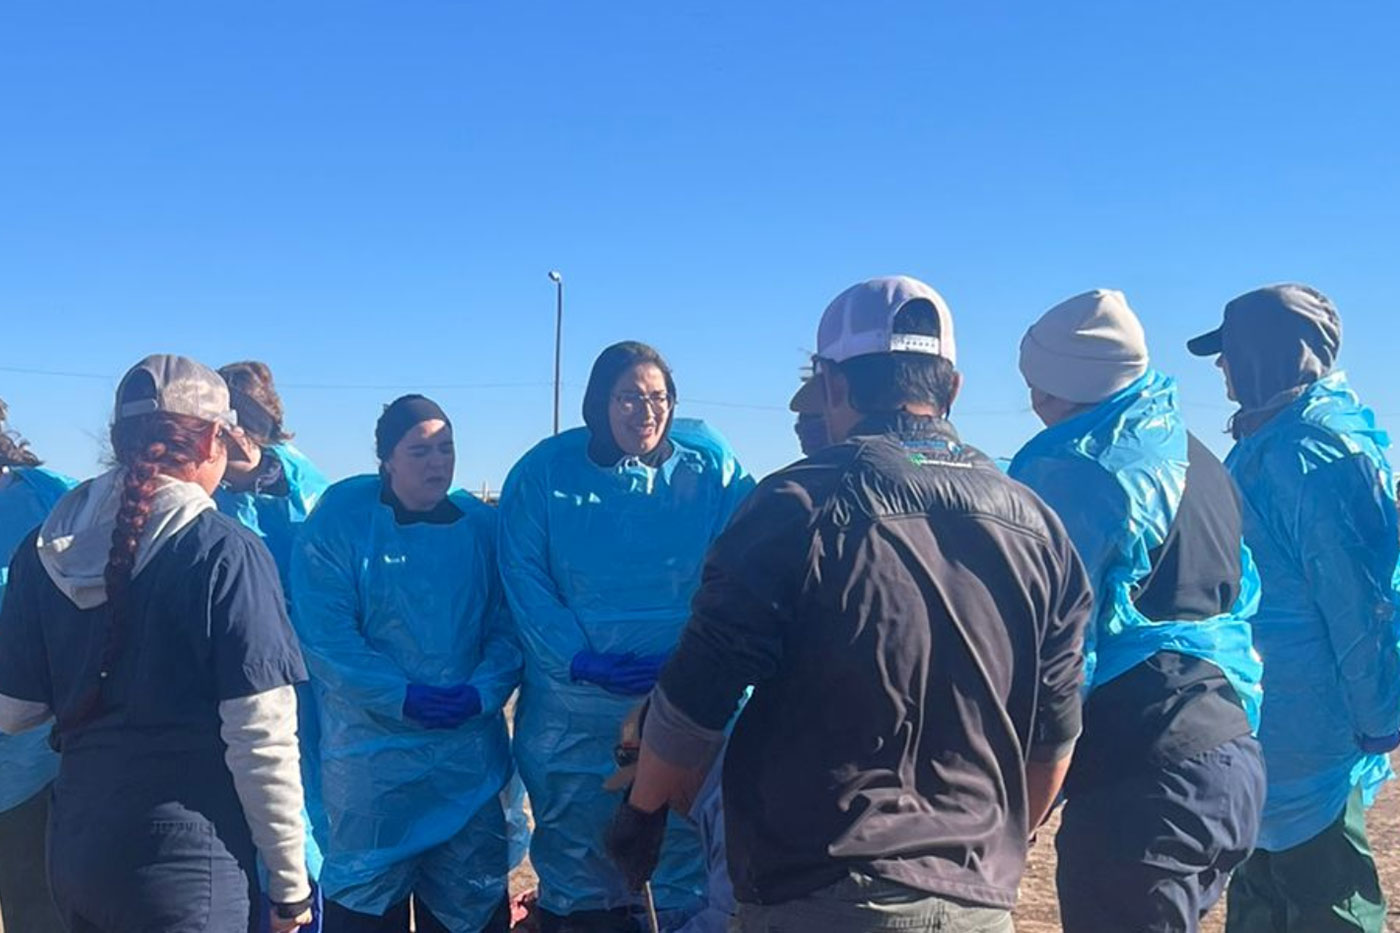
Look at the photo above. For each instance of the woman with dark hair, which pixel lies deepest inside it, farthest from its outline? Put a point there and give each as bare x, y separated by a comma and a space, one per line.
399, 607
603, 532
27, 764
276, 487
272, 491
153, 631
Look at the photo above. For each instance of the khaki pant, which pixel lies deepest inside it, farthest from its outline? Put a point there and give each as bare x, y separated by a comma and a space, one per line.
26, 906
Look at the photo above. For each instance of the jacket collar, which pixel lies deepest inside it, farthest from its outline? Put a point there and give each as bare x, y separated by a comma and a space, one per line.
907, 426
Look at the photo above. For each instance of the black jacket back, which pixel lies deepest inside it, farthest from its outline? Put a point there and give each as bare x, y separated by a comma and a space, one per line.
912, 621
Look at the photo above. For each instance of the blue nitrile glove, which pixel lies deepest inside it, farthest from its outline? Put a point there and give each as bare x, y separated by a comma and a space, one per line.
626, 674
441, 707
1378, 745
646, 669
461, 702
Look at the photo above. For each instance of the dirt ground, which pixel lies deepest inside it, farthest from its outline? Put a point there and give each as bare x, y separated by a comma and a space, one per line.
1037, 912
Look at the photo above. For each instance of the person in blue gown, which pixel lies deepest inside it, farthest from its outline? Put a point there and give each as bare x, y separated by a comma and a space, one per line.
1320, 516
1167, 780
604, 530
271, 492
27, 764
400, 610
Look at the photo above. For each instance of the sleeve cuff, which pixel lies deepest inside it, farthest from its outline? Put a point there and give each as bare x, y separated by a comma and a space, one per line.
676, 738
18, 715
1049, 754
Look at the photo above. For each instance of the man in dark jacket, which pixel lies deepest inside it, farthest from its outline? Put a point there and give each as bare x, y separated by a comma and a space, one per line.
911, 621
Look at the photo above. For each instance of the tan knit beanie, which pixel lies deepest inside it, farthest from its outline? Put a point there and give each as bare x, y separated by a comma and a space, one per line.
1085, 348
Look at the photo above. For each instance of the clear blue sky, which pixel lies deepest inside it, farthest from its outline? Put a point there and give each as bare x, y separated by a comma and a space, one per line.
368, 195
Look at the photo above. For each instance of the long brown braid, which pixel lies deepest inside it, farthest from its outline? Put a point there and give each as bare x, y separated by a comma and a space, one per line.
144, 446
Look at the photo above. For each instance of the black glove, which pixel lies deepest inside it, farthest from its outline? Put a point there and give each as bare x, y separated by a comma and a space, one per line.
634, 843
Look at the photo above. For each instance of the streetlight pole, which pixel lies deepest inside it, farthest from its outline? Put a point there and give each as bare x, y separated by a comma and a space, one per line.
558, 281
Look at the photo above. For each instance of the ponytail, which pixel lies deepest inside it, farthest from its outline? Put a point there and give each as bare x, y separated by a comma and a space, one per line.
144, 446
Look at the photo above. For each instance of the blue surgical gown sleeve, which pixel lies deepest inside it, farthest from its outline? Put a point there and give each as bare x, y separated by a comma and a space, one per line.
498, 673
327, 621
1347, 533
549, 629
738, 484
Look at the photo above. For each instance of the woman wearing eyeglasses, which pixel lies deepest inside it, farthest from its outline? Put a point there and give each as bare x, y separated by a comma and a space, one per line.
603, 533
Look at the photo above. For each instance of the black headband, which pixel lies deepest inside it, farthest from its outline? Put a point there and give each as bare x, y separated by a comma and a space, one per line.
399, 418
252, 416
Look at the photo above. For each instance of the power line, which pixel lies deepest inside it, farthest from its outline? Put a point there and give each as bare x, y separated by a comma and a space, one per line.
387, 386
393, 387
53, 372
539, 384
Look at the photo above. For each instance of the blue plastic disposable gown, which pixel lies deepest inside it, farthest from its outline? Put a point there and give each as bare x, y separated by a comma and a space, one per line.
602, 558
380, 605
277, 519
1115, 475
1319, 513
26, 761
707, 813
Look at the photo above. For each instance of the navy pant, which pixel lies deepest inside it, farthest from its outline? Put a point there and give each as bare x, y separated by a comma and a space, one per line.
1152, 853
130, 856
340, 919
169, 877
26, 906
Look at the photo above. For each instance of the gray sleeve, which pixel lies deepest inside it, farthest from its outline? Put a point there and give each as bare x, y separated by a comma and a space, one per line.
263, 756
676, 738
18, 716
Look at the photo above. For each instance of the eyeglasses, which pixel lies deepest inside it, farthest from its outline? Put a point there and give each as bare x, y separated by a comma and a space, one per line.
629, 403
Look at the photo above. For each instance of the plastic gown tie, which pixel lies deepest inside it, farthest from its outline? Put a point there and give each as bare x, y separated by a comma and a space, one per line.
605, 560
381, 605
1139, 440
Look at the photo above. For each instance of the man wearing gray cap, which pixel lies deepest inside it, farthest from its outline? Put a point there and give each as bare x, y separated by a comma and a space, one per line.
911, 622
1164, 794
1319, 515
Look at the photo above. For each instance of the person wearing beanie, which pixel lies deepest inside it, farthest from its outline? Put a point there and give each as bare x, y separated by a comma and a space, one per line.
604, 530
1320, 516
400, 610
1163, 796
